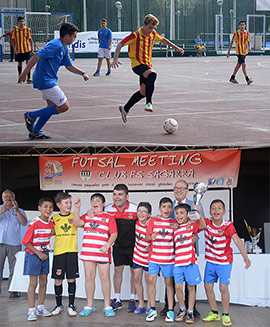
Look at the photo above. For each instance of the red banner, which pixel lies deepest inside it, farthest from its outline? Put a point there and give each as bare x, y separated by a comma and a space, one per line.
139, 171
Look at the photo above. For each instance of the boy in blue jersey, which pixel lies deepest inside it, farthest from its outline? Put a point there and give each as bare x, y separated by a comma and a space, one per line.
104, 50
49, 60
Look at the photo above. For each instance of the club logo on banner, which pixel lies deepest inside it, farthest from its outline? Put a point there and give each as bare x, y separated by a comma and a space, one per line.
139, 171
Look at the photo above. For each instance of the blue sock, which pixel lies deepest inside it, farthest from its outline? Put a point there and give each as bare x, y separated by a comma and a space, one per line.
109, 70
40, 123
98, 70
45, 112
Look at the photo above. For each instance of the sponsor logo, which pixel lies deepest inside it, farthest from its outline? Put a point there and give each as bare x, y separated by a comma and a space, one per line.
94, 225
85, 175
181, 239
216, 181
163, 233
65, 228
139, 236
220, 231
130, 215
212, 239
52, 169
58, 272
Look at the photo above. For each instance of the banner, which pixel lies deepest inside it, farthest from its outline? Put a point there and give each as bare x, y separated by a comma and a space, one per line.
88, 41
139, 171
263, 5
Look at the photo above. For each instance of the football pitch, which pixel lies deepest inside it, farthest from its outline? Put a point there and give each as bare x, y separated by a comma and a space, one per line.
196, 92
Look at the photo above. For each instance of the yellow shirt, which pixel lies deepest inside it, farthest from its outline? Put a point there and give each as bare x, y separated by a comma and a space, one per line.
140, 47
65, 234
22, 37
241, 39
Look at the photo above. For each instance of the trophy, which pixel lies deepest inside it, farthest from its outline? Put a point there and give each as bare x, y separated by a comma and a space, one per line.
254, 234
199, 189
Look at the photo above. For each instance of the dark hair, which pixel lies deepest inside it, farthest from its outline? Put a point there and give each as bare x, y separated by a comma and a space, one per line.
44, 199
121, 187
20, 18
218, 201
242, 21
104, 20
165, 200
68, 28
98, 195
147, 205
184, 206
61, 196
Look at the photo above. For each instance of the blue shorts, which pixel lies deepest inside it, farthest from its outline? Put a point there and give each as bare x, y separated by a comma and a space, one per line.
190, 274
213, 272
33, 266
166, 269
136, 266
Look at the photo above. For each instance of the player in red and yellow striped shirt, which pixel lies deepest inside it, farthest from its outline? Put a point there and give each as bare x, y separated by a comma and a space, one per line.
140, 44
241, 39
23, 45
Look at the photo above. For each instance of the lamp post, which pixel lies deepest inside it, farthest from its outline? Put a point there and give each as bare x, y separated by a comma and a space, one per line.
118, 5
220, 3
178, 23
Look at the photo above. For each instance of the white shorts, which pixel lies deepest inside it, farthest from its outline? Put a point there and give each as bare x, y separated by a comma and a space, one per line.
104, 53
55, 94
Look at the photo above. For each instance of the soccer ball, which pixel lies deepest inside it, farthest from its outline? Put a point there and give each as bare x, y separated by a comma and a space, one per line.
170, 125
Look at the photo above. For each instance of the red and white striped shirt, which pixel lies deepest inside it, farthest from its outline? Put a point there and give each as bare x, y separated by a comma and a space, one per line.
218, 242
162, 248
97, 231
38, 234
141, 248
184, 248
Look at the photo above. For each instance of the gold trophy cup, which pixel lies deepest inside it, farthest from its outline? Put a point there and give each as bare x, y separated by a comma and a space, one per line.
254, 234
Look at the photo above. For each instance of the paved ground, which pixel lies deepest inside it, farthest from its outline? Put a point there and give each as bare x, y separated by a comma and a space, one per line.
195, 91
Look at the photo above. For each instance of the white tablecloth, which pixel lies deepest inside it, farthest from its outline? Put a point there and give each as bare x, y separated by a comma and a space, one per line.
248, 287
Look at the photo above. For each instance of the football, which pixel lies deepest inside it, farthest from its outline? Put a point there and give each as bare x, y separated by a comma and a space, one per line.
170, 125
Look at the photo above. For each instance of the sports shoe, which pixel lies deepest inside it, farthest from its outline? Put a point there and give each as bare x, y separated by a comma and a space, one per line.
116, 305
39, 136
29, 121
152, 315
131, 306
233, 80
226, 320
20, 82
149, 107
96, 74
196, 313
169, 316
163, 312
180, 315
108, 73
31, 315
29, 81
57, 310
42, 311
189, 318
212, 316
123, 113
109, 312
249, 81
72, 311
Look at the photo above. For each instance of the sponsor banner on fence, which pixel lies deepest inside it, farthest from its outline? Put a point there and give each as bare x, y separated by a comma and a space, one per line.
139, 171
88, 41
263, 5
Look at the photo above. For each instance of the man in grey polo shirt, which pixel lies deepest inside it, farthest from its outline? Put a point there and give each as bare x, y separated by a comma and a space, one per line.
11, 218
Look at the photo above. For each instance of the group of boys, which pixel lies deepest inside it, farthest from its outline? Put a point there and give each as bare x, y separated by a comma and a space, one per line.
162, 243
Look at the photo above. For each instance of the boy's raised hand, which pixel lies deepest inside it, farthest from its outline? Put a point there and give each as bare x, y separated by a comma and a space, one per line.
197, 207
90, 213
77, 203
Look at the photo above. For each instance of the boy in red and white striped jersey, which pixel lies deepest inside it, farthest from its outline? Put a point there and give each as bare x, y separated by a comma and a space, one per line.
185, 266
161, 256
140, 255
36, 263
219, 257
100, 232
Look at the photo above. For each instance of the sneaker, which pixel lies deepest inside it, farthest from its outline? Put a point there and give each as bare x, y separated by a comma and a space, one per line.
196, 313
226, 320
57, 310
96, 74
131, 306
20, 82
29, 121
42, 311
152, 315
13, 295
31, 315
123, 113
212, 316
149, 107
72, 310
180, 315
233, 80
163, 312
109, 312
189, 318
169, 316
249, 81
29, 81
108, 73
116, 305
39, 136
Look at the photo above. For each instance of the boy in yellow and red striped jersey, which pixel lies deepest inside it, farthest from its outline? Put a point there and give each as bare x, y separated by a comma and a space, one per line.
23, 45
241, 39
140, 44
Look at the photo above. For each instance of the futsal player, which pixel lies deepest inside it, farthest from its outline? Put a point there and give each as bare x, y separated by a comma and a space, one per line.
140, 44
